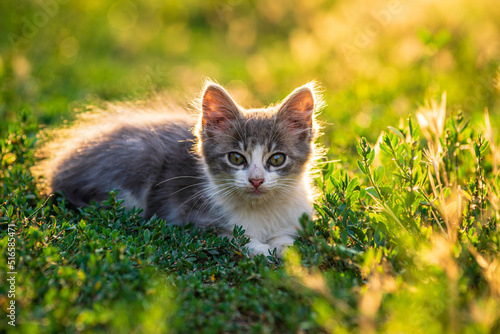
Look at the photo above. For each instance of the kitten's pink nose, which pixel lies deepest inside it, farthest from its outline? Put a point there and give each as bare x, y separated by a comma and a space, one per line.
256, 182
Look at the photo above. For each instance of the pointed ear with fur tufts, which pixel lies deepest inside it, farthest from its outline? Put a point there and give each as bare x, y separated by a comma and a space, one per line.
297, 110
219, 109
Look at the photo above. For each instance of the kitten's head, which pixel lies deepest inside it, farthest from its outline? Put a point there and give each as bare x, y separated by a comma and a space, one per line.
257, 153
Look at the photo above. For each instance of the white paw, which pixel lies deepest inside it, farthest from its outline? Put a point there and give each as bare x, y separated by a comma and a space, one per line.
280, 249
257, 247
264, 249
281, 244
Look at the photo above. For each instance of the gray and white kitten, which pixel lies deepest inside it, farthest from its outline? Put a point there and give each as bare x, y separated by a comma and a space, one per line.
227, 166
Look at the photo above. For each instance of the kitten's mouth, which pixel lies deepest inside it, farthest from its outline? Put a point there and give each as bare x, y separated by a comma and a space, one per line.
256, 192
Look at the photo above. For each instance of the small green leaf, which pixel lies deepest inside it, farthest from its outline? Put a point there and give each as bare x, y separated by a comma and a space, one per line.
352, 185
394, 142
363, 169
379, 174
359, 149
354, 196
344, 236
320, 210
397, 132
329, 212
371, 157
372, 192
147, 235
56, 209
358, 232
384, 147
485, 147
334, 181
362, 193
417, 158
378, 237
82, 224
387, 141
476, 150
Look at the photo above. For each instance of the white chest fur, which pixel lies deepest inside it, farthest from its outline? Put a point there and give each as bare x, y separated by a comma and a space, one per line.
271, 217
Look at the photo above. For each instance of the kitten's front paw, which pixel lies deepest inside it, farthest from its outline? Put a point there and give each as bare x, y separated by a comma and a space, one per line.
259, 249
281, 244
280, 250
256, 248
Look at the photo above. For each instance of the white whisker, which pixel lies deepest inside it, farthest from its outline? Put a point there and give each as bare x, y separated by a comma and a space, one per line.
180, 177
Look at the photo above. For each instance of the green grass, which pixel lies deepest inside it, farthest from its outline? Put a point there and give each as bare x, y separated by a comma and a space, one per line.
406, 235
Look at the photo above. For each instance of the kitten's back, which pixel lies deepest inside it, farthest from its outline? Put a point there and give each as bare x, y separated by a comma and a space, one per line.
130, 159
124, 147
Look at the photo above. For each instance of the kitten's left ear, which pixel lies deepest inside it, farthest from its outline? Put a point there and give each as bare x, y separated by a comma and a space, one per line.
297, 110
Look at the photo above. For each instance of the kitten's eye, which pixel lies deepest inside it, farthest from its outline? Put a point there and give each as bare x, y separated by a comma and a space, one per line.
236, 158
277, 160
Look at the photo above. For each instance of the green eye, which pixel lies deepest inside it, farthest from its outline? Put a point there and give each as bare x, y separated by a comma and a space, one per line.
277, 160
236, 158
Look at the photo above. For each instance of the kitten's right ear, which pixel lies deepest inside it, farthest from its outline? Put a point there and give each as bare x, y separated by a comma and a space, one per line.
297, 110
218, 108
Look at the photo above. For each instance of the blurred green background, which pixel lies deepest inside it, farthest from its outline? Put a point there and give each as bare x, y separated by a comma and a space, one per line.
377, 61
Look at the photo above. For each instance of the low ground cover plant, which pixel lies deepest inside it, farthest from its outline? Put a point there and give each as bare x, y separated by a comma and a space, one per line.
407, 242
